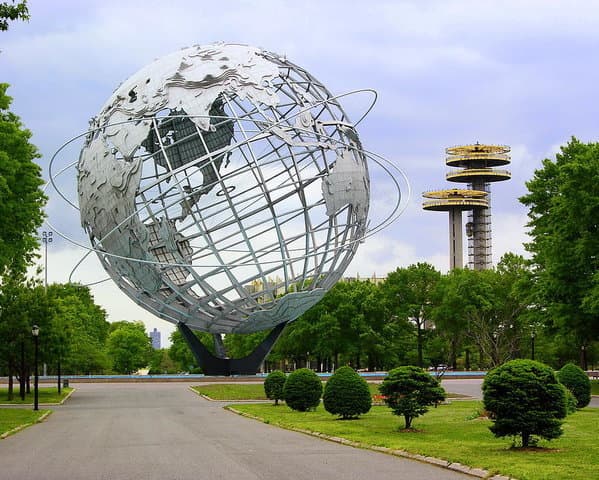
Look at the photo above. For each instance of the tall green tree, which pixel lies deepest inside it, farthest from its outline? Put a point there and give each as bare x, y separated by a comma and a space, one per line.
162, 363
80, 330
22, 305
563, 202
409, 294
486, 307
129, 347
21, 197
12, 11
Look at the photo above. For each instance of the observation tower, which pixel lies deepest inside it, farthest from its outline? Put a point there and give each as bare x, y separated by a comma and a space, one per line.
474, 165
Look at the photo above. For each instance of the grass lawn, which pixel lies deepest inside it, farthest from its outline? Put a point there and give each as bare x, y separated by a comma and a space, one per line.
232, 391
45, 395
11, 418
255, 391
454, 433
594, 387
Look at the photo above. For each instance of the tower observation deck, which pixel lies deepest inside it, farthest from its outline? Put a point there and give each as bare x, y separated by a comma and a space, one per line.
475, 166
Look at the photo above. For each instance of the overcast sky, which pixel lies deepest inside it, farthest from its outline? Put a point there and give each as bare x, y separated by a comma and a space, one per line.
520, 73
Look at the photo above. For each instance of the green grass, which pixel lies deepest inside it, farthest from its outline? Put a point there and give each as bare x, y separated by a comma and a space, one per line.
11, 418
232, 391
594, 387
45, 395
453, 432
255, 391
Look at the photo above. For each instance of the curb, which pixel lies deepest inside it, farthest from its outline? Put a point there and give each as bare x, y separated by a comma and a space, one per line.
25, 425
68, 396
458, 467
190, 387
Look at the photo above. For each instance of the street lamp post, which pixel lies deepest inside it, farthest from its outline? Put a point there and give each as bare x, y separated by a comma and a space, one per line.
532, 345
35, 331
46, 239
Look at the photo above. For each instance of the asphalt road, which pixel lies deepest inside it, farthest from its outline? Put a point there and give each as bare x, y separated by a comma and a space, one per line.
164, 431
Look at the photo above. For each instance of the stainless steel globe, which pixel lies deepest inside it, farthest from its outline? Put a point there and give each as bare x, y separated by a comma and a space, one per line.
224, 187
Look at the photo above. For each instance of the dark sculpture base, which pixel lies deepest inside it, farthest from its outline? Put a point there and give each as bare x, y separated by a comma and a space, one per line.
216, 366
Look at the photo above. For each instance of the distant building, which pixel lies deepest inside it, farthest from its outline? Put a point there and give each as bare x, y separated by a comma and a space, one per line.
372, 279
155, 336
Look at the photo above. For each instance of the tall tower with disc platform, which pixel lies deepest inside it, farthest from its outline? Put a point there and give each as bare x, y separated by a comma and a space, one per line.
476, 166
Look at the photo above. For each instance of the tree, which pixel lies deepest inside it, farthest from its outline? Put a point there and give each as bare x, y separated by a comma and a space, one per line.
408, 293
338, 329
182, 355
524, 398
80, 330
302, 390
346, 394
273, 385
577, 381
563, 202
8, 12
409, 391
129, 347
487, 307
21, 198
22, 305
162, 363
238, 345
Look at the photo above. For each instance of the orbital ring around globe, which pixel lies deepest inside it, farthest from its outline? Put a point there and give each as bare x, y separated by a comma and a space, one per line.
225, 188
388, 167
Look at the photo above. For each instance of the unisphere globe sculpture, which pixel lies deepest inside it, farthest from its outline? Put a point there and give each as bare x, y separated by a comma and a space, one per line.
224, 188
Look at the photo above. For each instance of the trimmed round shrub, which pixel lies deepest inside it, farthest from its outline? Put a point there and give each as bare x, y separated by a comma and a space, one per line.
409, 391
524, 398
571, 402
302, 390
346, 394
577, 381
273, 385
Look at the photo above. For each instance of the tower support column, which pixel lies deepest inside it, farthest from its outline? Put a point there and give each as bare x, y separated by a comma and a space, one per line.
456, 249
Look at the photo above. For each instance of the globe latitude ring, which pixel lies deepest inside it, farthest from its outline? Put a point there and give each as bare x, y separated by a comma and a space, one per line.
224, 189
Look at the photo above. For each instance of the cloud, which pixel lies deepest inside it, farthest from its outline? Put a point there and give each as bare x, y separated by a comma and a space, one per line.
509, 234
447, 73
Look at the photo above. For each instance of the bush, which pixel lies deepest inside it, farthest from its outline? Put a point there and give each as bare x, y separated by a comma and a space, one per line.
273, 385
302, 390
571, 402
346, 394
577, 381
524, 399
409, 391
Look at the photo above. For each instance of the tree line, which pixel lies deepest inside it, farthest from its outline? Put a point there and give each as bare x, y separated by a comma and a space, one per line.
546, 306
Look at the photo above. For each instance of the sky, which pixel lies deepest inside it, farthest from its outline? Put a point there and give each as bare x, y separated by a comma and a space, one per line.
517, 73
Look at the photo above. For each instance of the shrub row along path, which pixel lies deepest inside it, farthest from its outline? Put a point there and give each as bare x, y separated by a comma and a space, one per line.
165, 431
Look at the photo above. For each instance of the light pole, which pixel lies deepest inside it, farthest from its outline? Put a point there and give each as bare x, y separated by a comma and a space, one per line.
35, 331
46, 239
532, 345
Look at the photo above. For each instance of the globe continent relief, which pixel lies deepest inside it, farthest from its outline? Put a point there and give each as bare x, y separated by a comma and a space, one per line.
223, 187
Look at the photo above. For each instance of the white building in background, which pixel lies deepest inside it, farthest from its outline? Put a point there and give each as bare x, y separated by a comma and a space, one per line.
155, 336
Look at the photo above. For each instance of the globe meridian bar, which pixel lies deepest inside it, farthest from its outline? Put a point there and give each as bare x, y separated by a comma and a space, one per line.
224, 188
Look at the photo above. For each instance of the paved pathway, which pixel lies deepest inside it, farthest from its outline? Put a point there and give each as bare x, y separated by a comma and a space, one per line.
164, 431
